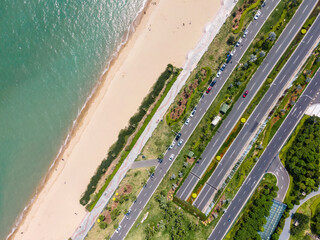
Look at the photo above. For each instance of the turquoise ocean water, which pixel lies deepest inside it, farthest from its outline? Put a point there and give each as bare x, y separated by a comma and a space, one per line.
52, 54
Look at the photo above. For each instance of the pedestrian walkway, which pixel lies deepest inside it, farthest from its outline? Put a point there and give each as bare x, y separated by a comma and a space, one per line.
286, 229
193, 58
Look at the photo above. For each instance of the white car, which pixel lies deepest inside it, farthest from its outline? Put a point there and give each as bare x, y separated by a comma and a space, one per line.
172, 145
192, 113
181, 141
245, 33
118, 229
171, 157
218, 74
257, 15
187, 121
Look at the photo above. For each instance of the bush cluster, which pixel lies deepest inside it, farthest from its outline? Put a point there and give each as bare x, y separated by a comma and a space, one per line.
117, 147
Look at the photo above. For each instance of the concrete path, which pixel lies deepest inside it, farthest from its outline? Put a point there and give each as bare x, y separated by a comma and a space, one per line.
192, 60
283, 179
286, 229
144, 163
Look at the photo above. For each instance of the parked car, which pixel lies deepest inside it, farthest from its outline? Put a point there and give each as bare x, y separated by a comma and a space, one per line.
118, 229
208, 90
245, 94
229, 57
128, 213
193, 112
152, 175
237, 44
263, 4
245, 33
178, 136
172, 145
187, 121
213, 83
257, 15
179, 143
218, 74
223, 66
160, 160
171, 157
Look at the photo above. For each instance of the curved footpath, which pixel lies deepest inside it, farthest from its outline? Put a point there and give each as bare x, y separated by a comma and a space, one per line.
193, 58
286, 229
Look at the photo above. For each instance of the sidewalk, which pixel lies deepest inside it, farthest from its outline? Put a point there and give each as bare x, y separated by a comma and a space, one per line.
286, 229
193, 58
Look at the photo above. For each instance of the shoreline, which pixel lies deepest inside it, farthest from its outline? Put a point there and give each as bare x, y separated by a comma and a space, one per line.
84, 118
77, 123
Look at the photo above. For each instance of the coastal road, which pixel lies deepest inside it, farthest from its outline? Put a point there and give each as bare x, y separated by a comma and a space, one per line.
279, 84
186, 131
267, 157
239, 107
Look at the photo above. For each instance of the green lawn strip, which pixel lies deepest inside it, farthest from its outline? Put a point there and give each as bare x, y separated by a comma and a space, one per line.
244, 14
252, 217
133, 142
315, 204
235, 75
217, 50
134, 179
235, 183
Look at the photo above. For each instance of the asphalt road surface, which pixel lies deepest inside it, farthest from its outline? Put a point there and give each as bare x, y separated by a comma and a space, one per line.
283, 179
267, 157
239, 107
278, 86
186, 131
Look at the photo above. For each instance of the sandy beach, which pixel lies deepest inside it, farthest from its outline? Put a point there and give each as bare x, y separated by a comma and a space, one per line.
167, 32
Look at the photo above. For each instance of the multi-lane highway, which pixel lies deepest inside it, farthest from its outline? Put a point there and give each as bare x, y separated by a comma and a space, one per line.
187, 130
267, 157
267, 102
239, 107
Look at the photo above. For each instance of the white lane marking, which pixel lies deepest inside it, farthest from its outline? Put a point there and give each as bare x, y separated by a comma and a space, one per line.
310, 39
265, 67
296, 59
239, 105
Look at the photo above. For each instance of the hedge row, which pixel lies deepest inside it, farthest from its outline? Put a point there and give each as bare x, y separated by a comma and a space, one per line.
133, 142
243, 16
117, 147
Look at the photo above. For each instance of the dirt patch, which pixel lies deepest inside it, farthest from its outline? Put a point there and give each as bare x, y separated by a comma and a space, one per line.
179, 107
124, 190
190, 160
107, 216
114, 205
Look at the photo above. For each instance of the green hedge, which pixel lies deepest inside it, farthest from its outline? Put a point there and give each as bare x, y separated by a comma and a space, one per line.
243, 16
135, 139
117, 147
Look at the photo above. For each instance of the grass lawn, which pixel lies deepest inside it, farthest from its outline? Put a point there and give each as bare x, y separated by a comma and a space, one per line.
308, 208
133, 182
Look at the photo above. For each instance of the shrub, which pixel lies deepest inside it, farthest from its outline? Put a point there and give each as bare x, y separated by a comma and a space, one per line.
103, 225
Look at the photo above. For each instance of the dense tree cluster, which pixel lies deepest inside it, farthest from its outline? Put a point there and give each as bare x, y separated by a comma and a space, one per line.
300, 222
302, 159
174, 221
253, 220
316, 222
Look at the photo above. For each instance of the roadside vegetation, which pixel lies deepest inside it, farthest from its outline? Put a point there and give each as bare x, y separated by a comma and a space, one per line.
266, 39
253, 217
301, 159
188, 226
119, 204
124, 144
301, 226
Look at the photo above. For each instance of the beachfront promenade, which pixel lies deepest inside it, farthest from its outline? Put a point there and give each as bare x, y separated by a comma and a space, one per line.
192, 59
